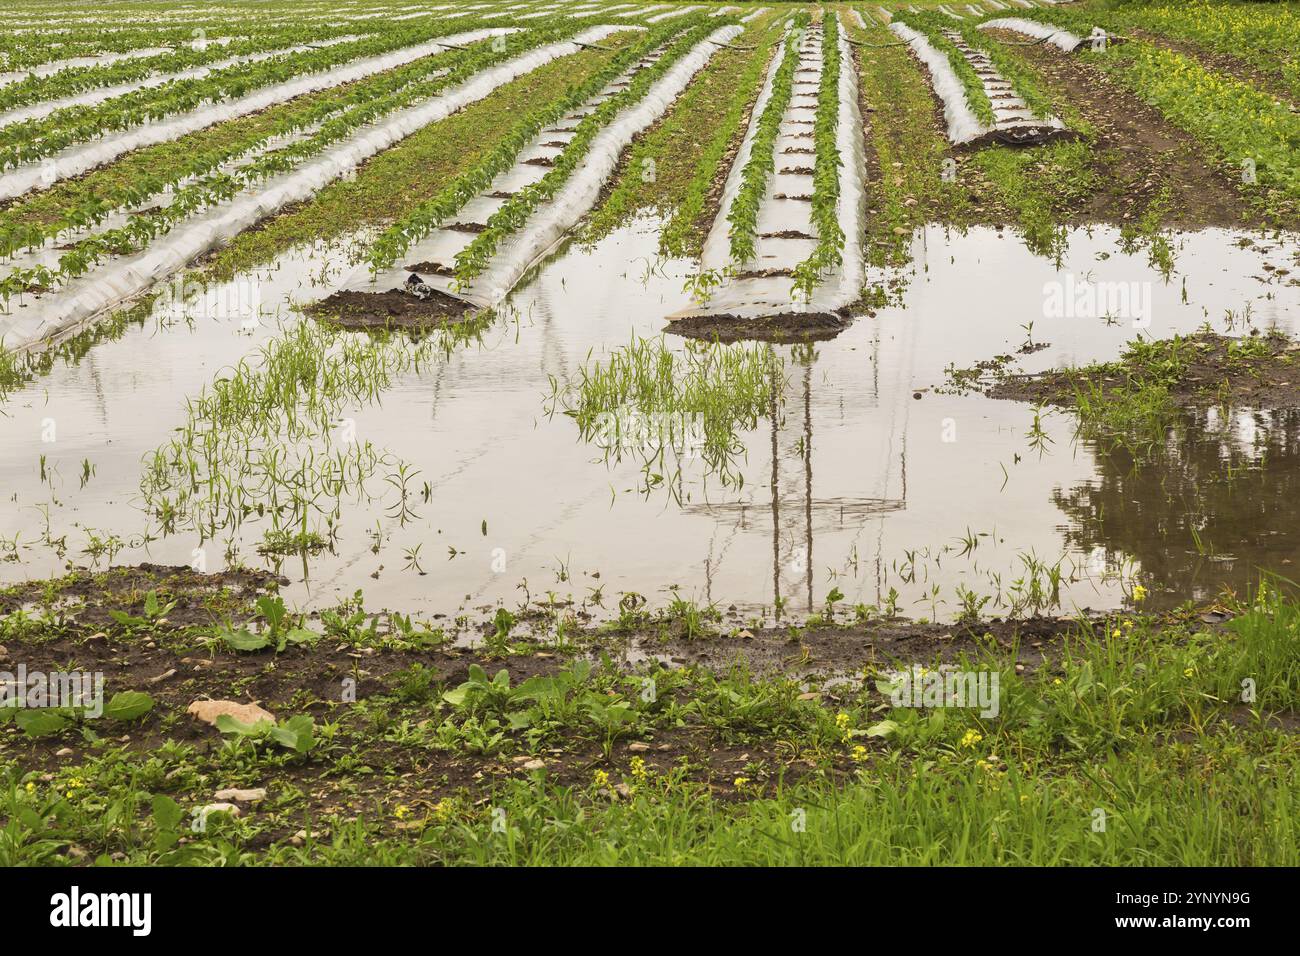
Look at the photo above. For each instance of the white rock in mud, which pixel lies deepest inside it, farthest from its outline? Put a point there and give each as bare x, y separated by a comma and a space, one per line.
209, 710
241, 796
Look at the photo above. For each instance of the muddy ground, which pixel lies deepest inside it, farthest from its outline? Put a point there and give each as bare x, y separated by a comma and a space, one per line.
1267, 375
394, 309
1139, 153
175, 660
380, 749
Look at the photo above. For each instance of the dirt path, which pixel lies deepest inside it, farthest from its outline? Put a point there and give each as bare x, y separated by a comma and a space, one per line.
1139, 153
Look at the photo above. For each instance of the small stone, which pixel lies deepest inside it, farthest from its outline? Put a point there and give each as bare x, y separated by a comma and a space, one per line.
638, 747
230, 808
534, 764
64, 752
242, 796
209, 710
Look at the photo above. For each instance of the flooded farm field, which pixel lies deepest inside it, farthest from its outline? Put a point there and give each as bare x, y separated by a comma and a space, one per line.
649, 434
875, 475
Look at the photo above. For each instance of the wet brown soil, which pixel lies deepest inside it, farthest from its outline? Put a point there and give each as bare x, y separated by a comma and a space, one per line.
399, 686
1213, 373
393, 309
791, 327
1139, 154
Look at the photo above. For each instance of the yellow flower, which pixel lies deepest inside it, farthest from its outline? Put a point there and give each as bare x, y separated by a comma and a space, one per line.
443, 808
859, 753
401, 811
638, 768
971, 738
842, 720
600, 778
740, 783
1139, 593
1057, 682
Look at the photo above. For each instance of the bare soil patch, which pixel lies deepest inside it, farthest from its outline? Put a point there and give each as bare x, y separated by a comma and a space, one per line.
1268, 376
1139, 154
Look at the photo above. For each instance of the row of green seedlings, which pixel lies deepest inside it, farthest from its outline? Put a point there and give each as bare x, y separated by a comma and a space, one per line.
74, 80
395, 88
933, 25
828, 253
678, 234
394, 243
514, 213
37, 139
1012, 68
19, 51
669, 404
743, 215
222, 186
648, 154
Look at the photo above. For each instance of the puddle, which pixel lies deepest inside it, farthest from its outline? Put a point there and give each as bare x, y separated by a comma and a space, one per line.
867, 481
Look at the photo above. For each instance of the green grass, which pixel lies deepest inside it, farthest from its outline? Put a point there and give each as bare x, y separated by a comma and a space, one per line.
676, 168
909, 188
1140, 742
1039, 184
665, 406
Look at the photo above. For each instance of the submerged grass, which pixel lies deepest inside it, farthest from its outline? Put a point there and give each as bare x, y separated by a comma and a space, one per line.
268, 440
670, 405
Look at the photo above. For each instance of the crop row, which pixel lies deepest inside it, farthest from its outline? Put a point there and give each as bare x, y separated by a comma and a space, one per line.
74, 80
221, 186
743, 215
472, 260
933, 26
421, 78
37, 139
826, 167
426, 217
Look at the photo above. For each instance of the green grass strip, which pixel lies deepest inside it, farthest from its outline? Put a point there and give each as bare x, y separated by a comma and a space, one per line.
512, 216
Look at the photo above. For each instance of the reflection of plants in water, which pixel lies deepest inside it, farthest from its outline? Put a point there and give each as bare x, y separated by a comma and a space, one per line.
667, 406
1208, 509
1130, 403
266, 439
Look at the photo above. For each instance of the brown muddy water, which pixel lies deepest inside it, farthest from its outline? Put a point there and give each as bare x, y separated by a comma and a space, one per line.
867, 480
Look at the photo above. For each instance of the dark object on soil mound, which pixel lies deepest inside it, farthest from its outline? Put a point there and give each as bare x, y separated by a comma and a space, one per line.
417, 306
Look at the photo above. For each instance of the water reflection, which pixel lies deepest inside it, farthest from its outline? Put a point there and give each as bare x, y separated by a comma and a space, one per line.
1212, 507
